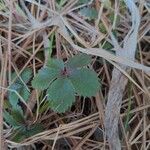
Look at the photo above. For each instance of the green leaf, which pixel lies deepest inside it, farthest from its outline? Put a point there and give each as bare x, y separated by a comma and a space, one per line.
55, 63
17, 116
15, 86
44, 107
85, 82
62, 83
60, 4
7, 105
26, 75
2, 6
24, 93
61, 107
19, 87
44, 77
13, 97
61, 94
102, 28
19, 110
9, 119
89, 13
79, 60
107, 46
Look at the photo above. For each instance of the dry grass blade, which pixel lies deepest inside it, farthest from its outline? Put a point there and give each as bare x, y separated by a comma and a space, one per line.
97, 51
3, 60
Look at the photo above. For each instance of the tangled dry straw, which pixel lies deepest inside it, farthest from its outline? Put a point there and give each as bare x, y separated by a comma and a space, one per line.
118, 117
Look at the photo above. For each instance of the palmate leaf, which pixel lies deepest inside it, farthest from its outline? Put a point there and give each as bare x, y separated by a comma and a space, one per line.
85, 82
79, 60
44, 77
63, 81
61, 94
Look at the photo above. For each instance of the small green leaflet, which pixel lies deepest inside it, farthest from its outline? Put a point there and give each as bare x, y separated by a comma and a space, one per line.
85, 82
61, 92
14, 117
63, 81
44, 77
9, 119
79, 60
55, 63
89, 13
20, 86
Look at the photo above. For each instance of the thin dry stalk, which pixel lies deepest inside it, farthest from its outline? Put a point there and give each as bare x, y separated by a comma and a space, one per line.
118, 84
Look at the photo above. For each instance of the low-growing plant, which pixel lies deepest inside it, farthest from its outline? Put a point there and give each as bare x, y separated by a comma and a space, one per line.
62, 81
13, 112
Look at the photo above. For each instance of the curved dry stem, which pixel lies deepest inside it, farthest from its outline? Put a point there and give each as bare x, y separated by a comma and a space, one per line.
112, 112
